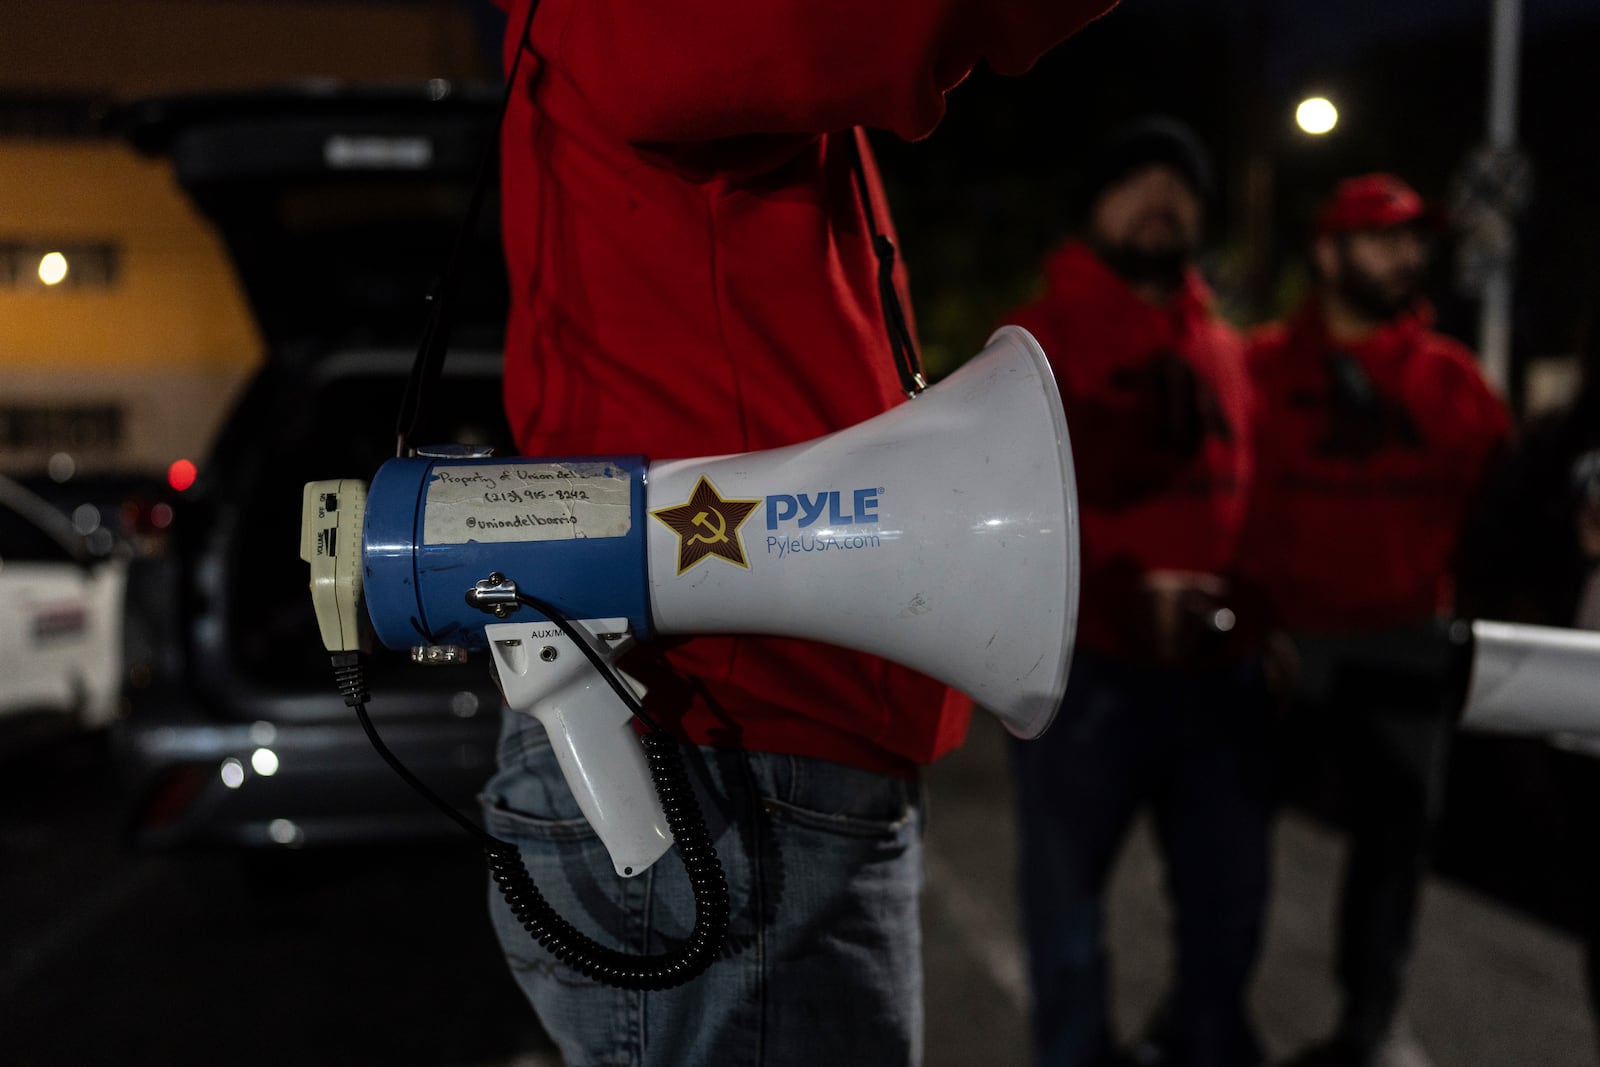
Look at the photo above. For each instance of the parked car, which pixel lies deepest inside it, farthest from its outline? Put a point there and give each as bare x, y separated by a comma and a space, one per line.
339, 207
61, 612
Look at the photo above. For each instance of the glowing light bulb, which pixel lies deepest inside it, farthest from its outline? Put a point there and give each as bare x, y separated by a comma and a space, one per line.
52, 268
1317, 115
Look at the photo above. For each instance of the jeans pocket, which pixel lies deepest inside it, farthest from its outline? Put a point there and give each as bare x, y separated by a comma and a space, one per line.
842, 801
836, 822
507, 822
528, 799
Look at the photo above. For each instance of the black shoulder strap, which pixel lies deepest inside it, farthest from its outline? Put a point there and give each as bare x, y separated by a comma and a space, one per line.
429, 361
906, 359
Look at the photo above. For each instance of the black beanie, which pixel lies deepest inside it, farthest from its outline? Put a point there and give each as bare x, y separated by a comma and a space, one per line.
1152, 139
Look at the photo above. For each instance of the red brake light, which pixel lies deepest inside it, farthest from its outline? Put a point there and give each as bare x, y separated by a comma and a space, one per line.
181, 475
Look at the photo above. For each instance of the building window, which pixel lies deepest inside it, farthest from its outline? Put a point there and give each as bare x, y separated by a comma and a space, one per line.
61, 427
42, 265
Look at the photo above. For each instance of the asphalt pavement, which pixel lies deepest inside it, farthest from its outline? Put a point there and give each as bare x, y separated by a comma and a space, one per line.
384, 955
1490, 987
112, 956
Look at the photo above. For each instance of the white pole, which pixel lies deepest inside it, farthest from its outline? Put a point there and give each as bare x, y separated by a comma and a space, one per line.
1505, 47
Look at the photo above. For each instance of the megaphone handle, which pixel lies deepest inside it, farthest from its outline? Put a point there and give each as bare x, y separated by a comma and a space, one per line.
543, 674
611, 751
709, 884
592, 736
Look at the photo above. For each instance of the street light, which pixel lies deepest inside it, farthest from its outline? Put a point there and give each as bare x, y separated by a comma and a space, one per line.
1316, 115
52, 268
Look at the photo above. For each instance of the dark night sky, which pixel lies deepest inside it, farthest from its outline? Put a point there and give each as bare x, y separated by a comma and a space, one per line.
1305, 33
979, 201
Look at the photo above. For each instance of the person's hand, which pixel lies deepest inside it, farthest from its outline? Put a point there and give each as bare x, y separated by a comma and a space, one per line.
1189, 620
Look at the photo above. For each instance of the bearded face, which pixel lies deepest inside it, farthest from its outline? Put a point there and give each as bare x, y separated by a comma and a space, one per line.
1146, 227
1377, 273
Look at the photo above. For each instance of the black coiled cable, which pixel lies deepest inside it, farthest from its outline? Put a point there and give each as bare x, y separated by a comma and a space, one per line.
707, 881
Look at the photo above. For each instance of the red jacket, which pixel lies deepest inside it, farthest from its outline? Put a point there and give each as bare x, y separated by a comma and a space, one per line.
1158, 409
691, 275
1369, 458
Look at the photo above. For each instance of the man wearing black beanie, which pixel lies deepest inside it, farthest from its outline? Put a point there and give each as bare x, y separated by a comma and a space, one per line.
1161, 708
1154, 142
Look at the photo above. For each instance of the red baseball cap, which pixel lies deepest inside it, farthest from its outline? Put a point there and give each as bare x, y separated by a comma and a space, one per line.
1372, 202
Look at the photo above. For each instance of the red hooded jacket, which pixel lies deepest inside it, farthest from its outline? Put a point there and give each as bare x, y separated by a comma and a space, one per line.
1158, 409
692, 275
1369, 459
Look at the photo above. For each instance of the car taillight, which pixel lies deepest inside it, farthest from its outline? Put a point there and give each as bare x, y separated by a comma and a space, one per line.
147, 522
181, 474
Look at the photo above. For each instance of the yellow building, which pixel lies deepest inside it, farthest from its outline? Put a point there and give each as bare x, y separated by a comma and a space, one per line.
129, 359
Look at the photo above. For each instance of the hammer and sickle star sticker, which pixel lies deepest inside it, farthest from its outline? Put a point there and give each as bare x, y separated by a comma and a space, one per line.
707, 525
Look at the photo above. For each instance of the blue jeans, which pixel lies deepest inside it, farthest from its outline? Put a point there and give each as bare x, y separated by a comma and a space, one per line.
824, 956
1194, 747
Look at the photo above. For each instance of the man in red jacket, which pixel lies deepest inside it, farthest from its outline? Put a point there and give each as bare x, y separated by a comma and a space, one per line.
1155, 713
1374, 435
692, 273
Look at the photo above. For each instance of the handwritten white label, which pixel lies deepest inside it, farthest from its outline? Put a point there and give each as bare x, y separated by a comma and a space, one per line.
527, 502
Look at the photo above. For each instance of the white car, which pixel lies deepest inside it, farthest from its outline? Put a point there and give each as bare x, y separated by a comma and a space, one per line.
61, 609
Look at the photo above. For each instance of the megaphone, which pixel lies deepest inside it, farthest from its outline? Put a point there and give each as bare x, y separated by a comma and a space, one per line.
1496, 677
942, 535
1532, 680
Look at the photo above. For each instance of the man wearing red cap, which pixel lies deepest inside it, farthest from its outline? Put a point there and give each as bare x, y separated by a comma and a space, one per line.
1373, 435
688, 215
1157, 400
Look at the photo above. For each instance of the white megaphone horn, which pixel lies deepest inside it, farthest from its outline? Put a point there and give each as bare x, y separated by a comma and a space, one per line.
1538, 680
1497, 677
942, 535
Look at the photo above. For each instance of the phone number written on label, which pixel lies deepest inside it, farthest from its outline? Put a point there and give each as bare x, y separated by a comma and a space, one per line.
527, 502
